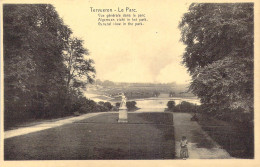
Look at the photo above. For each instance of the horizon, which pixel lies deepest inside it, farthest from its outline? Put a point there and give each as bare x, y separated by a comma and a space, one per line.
123, 82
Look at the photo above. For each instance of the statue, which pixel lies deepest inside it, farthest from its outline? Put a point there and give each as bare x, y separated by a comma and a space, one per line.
122, 117
123, 101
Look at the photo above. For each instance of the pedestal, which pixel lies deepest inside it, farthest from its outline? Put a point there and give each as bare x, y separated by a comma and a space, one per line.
122, 118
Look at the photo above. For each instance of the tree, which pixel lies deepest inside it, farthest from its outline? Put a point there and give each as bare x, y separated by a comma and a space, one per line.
44, 65
171, 105
78, 65
34, 37
219, 41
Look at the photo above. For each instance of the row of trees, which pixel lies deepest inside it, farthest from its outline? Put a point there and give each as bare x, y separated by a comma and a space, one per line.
219, 55
45, 66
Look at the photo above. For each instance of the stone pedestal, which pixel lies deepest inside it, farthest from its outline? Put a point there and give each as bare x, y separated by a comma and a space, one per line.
122, 117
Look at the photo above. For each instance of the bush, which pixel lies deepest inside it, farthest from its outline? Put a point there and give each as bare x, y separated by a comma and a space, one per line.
84, 105
184, 106
101, 103
171, 105
100, 108
108, 105
118, 104
131, 105
88, 106
114, 108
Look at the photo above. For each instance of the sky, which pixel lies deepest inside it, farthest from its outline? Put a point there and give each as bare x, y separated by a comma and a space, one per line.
148, 53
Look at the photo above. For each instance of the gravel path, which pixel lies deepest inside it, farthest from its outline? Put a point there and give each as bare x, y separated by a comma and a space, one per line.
201, 146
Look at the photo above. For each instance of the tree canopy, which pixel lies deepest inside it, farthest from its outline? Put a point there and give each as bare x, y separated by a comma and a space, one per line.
36, 74
219, 54
78, 65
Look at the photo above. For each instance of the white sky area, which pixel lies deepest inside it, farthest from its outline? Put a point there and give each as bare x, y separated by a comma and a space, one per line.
148, 53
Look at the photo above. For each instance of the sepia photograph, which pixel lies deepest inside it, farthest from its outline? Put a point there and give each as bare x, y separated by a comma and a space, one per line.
128, 80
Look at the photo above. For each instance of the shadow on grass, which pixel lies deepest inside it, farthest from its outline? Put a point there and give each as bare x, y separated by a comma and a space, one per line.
201, 142
109, 153
100, 137
162, 121
236, 139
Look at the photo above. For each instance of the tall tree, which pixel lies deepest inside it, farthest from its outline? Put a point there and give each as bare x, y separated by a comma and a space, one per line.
219, 55
80, 69
34, 38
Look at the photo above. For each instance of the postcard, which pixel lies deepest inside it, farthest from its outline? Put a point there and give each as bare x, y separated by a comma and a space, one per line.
133, 83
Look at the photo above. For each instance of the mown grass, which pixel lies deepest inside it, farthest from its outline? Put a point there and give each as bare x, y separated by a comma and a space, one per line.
145, 136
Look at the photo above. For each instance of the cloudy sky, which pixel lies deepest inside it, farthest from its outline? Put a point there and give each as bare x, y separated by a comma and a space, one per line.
148, 53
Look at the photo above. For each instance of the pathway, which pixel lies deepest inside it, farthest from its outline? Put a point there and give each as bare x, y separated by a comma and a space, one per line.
46, 125
145, 136
201, 146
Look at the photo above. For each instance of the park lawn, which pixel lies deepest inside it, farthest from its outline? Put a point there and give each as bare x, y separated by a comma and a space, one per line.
145, 136
16, 124
236, 139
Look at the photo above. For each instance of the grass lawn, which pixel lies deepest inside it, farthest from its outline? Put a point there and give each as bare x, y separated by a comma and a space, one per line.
145, 136
15, 124
237, 139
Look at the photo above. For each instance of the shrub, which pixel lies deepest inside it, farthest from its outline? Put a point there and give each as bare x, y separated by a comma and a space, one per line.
131, 105
118, 104
184, 106
171, 105
101, 103
108, 105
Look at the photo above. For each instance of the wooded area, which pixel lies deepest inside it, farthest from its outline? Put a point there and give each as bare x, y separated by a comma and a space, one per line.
45, 65
219, 55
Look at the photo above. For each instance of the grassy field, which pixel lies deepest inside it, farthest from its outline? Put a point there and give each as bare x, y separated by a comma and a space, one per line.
145, 136
237, 139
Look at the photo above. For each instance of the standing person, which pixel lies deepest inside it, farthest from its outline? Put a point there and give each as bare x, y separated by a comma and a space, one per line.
184, 149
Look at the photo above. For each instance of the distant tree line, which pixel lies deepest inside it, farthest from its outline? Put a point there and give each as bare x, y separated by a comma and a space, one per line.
111, 83
45, 66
